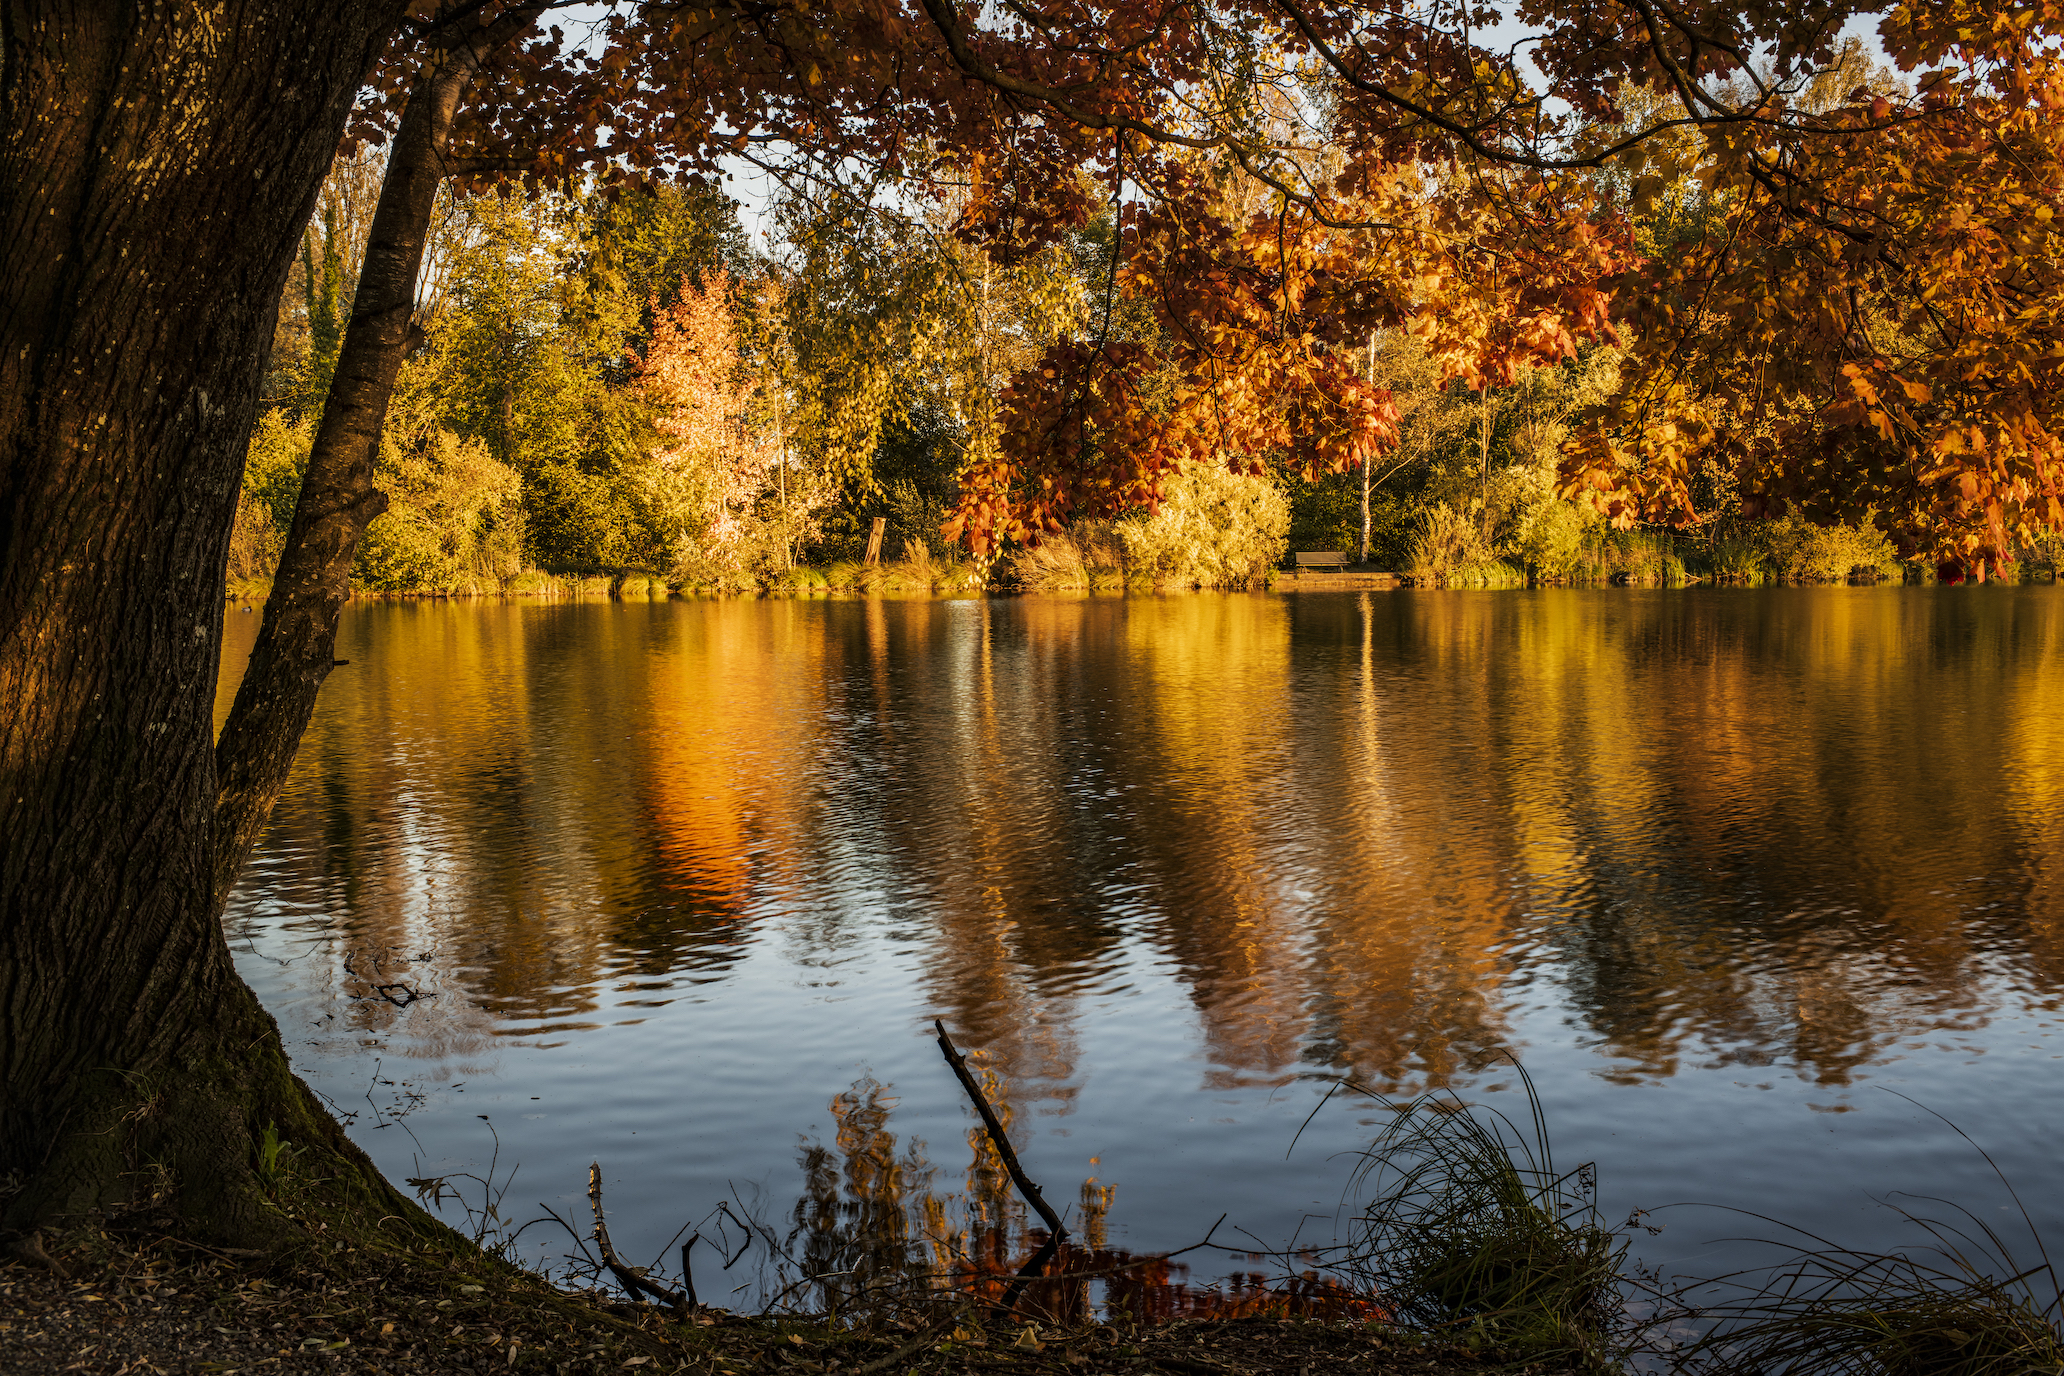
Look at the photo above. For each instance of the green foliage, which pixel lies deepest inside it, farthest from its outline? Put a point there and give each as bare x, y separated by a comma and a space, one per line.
1214, 528
274, 1164
882, 347
1467, 497
912, 477
454, 521
916, 514
580, 520
1448, 543
1630, 556
1735, 559
1792, 549
273, 465
325, 286
1798, 551
635, 250
896, 339
1327, 514
1550, 539
519, 359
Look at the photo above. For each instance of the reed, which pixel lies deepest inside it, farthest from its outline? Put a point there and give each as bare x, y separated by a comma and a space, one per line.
799, 579
1487, 573
1735, 559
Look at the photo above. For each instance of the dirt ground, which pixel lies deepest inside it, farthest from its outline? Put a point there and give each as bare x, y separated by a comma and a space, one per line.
170, 1308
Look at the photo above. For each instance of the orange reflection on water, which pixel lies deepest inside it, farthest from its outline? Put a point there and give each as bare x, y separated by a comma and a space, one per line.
1355, 830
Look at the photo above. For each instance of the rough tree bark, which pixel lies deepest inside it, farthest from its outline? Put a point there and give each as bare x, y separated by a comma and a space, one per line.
296, 643
158, 164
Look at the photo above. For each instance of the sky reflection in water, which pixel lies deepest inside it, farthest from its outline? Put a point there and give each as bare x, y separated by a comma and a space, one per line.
1717, 864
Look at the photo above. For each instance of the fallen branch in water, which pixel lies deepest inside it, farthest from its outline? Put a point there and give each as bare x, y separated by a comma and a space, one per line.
632, 1278
1057, 1233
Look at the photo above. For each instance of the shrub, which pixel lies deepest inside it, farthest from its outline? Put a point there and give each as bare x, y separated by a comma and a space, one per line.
1551, 539
254, 543
1798, 551
273, 464
580, 520
1327, 514
454, 520
1214, 528
1736, 559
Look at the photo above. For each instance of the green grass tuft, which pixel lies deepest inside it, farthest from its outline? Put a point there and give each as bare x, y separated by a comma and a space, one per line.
1471, 1233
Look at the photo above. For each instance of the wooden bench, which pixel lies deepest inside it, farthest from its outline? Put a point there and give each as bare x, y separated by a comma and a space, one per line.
1321, 559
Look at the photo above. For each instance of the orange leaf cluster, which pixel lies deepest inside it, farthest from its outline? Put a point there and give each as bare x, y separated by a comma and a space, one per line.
1258, 331
1878, 334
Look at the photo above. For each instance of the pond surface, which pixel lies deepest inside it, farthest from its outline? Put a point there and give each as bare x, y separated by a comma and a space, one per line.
683, 884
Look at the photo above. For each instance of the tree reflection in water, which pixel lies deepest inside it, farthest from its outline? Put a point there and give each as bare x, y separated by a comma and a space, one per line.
873, 1234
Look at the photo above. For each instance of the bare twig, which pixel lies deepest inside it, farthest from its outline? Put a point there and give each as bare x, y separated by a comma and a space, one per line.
1057, 1233
632, 1278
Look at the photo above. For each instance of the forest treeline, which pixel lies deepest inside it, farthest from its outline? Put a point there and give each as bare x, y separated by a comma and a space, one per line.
626, 392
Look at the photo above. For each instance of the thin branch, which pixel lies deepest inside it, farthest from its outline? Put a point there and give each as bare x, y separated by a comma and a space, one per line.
631, 1278
1057, 1232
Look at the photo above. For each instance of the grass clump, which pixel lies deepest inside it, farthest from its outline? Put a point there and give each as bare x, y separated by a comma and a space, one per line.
1472, 1234
1838, 1313
1085, 558
799, 578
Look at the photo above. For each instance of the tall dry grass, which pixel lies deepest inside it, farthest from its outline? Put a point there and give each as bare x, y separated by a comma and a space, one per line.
1086, 558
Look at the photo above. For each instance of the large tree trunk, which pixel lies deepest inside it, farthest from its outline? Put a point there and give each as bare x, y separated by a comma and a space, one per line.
158, 165
338, 499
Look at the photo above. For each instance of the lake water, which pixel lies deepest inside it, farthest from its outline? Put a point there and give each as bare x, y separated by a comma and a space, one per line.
683, 885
